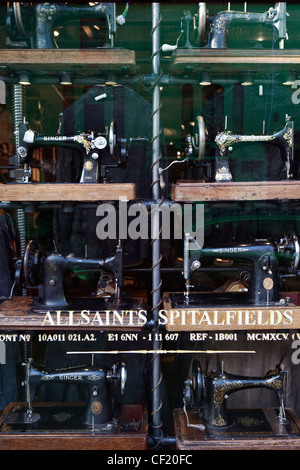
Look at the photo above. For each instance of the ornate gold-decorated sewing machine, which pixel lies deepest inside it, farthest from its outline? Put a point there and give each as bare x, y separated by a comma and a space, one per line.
226, 141
206, 396
33, 25
98, 151
211, 31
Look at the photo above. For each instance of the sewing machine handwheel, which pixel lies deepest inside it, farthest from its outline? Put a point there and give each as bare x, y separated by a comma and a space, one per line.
293, 242
23, 17
199, 137
197, 383
112, 138
31, 263
201, 20
123, 378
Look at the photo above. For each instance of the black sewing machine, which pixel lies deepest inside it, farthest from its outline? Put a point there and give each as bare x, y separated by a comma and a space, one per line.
213, 30
99, 413
226, 141
99, 410
94, 148
33, 25
258, 264
45, 272
207, 395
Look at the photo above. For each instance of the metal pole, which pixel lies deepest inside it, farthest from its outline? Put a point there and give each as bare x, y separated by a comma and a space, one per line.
18, 112
155, 225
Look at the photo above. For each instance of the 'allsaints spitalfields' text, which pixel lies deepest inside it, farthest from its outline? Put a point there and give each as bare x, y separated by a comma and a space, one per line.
200, 318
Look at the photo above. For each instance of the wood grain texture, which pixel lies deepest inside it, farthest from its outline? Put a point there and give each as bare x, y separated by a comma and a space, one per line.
188, 438
66, 192
241, 191
70, 440
80, 60
231, 318
19, 313
222, 61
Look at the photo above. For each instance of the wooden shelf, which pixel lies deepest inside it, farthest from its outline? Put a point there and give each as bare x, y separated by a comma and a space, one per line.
66, 192
226, 61
19, 314
189, 438
74, 440
241, 191
81, 61
230, 318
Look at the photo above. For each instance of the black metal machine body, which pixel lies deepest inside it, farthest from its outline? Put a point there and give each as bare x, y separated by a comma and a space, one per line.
263, 258
226, 140
99, 408
213, 30
46, 272
32, 24
90, 146
209, 393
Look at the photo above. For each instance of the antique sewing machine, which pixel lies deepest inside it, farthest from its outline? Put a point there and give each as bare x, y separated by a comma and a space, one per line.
226, 141
207, 395
99, 151
45, 272
99, 412
214, 29
258, 262
32, 25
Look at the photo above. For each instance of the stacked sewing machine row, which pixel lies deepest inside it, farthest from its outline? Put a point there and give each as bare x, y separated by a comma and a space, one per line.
33, 26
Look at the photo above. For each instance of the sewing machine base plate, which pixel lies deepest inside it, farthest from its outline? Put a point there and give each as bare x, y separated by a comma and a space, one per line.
60, 427
252, 429
226, 299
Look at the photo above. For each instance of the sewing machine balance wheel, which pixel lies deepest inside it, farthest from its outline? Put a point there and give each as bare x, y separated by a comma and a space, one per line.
23, 16
198, 383
112, 138
31, 263
199, 137
201, 20
123, 378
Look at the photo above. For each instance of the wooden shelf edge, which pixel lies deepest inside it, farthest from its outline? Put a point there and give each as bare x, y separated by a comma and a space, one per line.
221, 60
232, 318
237, 191
110, 58
67, 192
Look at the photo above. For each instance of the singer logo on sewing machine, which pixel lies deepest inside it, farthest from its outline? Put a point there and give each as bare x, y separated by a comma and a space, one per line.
230, 250
56, 137
62, 377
